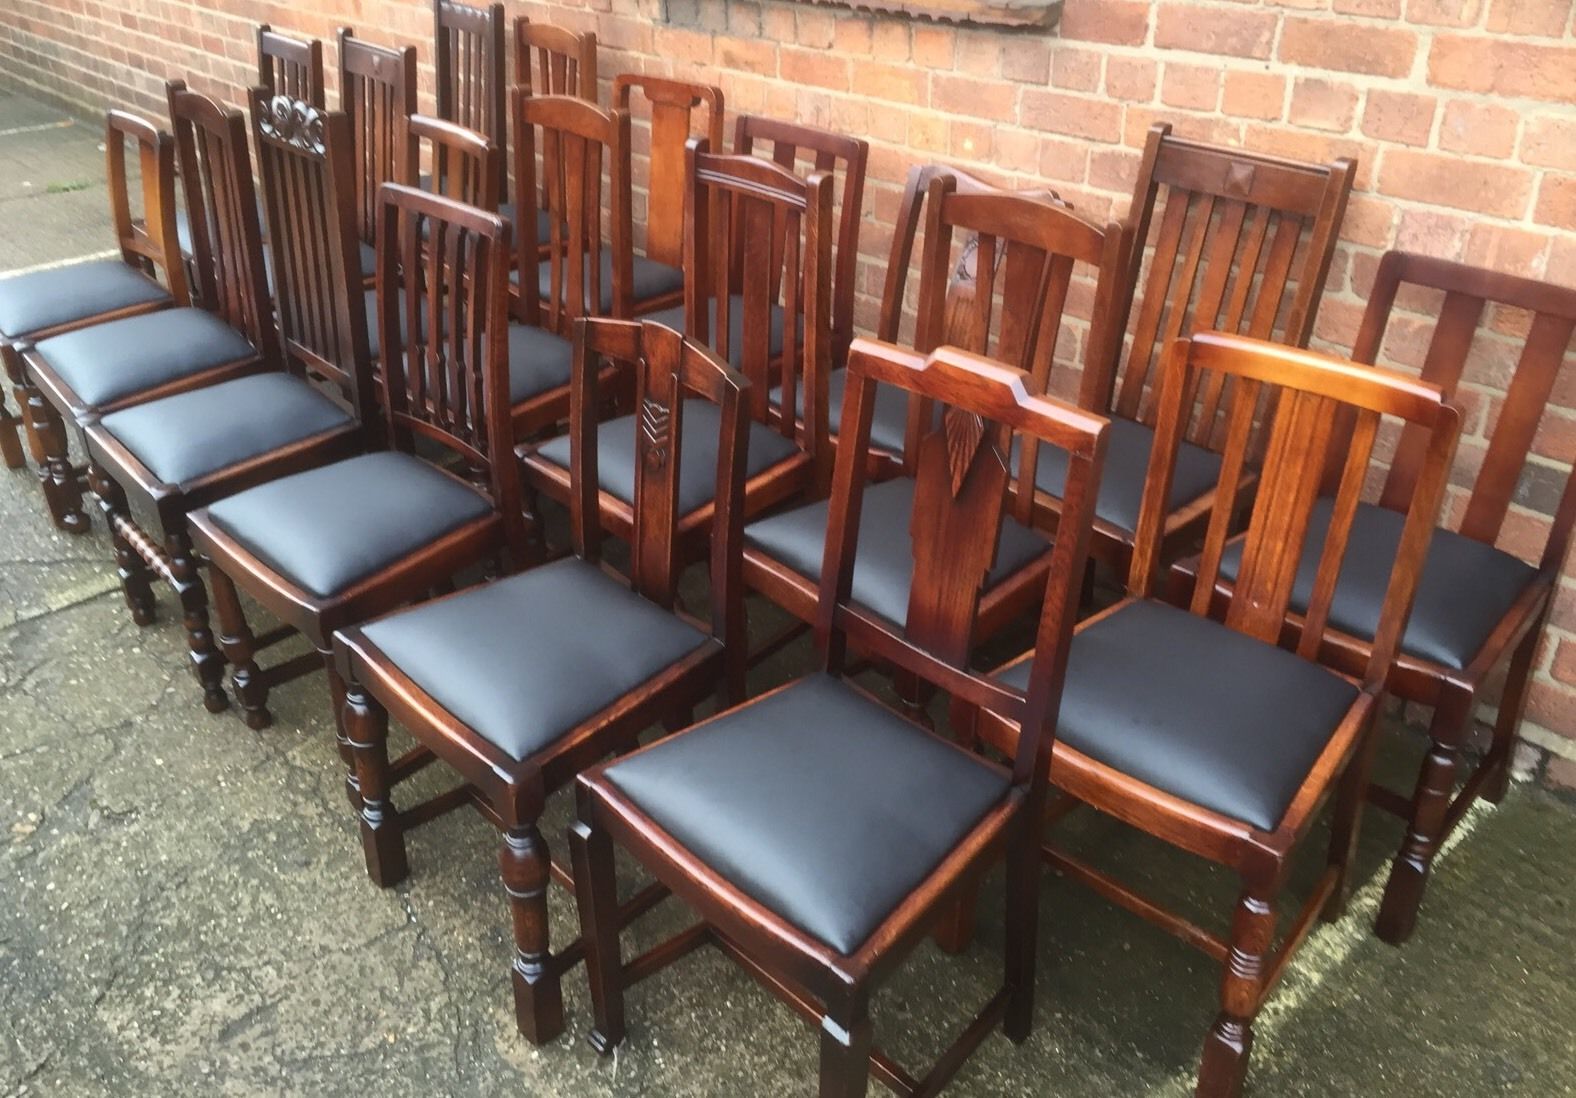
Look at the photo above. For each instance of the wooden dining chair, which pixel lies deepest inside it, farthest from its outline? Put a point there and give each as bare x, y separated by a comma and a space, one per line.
290, 67
1208, 733
1242, 243
102, 368
344, 542
162, 458
470, 75
377, 91
1479, 609
521, 682
671, 106
817, 833
551, 60
463, 162
1014, 315
740, 206
147, 275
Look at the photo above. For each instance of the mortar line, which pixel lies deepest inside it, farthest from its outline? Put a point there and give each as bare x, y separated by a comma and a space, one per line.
54, 263
38, 127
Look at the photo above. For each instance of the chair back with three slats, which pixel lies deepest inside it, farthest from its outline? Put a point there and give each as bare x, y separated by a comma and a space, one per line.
221, 203
151, 239
464, 161
551, 60
673, 105
669, 370
377, 92
1239, 234
959, 494
844, 159
443, 276
1550, 313
565, 148
304, 158
290, 66
1310, 396
468, 57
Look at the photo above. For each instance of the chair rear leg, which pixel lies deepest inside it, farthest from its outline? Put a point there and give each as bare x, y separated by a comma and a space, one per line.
10, 436
1511, 704
207, 660
239, 646
382, 838
538, 996
135, 576
845, 1048
596, 895
1230, 1041
1023, 928
336, 703
56, 476
16, 375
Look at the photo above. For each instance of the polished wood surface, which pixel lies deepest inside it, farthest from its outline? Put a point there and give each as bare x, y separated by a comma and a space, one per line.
550, 60
377, 92
471, 79
291, 67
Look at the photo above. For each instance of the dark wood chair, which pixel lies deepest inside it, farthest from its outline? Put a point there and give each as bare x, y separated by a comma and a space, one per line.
817, 833
160, 459
740, 206
471, 78
520, 683
348, 541
672, 106
377, 90
1242, 244
291, 67
1015, 316
1209, 734
102, 368
1479, 608
464, 162
36, 306
551, 60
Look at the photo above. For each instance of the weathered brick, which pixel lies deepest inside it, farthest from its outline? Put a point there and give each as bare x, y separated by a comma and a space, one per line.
1074, 115
1503, 67
1233, 32
1252, 94
1451, 181
1027, 60
1114, 22
1323, 105
899, 83
1400, 117
1472, 126
1556, 202
966, 95
1195, 87
1444, 13
1545, 17
818, 67
1074, 70
1131, 78
1550, 141
1349, 47
1503, 248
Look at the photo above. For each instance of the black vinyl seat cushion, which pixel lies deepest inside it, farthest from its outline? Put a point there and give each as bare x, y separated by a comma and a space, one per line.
888, 423
1198, 710
1464, 591
817, 802
524, 660
180, 438
701, 434
368, 258
884, 565
673, 317
1126, 468
539, 361
648, 279
104, 362
329, 527
47, 299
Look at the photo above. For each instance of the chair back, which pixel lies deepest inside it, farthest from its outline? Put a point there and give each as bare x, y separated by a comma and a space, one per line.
150, 240
468, 57
844, 158
221, 206
1527, 366
290, 66
959, 494
377, 92
672, 105
669, 370
305, 161
564, 60
581, 146
464, 162
1309, 395
1243, 244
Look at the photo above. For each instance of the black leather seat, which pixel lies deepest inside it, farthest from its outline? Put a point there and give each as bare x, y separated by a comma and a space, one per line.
183, 437
817, 802
648, 279
104, 362
884, 568
368, 256
673, 317
539, 361
1200, 711
888, 423
1465, 589
47, 299
697, 461
326, 528
525, 659
1126, 466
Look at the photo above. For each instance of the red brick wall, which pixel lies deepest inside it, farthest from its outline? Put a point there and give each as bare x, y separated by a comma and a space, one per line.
1461, 114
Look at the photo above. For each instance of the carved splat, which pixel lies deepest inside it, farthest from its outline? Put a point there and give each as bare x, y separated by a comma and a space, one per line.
965, 431
1239, 180
656, 423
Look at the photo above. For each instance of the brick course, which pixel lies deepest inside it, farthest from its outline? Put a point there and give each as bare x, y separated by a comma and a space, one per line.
1462, 114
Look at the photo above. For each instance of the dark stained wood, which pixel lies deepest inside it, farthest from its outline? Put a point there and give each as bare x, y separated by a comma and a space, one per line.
962, 480
551, 60
468, 59
511, 793
1310, 395
465, 162
377, 91
291, 67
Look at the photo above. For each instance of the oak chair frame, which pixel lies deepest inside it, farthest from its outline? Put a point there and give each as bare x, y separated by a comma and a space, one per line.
471, 74
465, 162
964, 491
377, 91
289, 66
1314, 391
512, 794
553, 60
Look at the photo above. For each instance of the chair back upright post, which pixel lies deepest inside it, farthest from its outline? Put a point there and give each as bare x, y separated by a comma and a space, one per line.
1307, 393
468, 56
377, 92
580, 146
464, 161
151, 241
1225, 254
564, 61
673, 104
305, 161
290, 66
844, 158
221, 200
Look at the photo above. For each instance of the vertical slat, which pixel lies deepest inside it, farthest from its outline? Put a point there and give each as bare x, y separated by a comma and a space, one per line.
1182, 285
1155, 293
1342, 512
1228, 486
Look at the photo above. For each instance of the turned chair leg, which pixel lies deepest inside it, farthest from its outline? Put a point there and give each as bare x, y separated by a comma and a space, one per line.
1511, 704
1230, 1041
239, 646
10, 436
596, 895
207, 660
538, 996
135, 576
382, 837
845, 1048
1023, 927
57, 477
347, 752
16, 374
1403, 894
